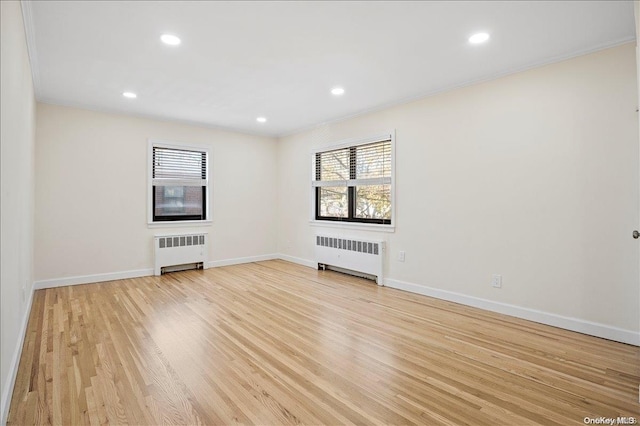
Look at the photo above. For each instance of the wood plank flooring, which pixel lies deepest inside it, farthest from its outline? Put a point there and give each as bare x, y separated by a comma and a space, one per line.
275, 343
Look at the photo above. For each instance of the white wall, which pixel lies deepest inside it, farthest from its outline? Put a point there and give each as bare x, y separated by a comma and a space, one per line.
533, 176
91, 192
17, 127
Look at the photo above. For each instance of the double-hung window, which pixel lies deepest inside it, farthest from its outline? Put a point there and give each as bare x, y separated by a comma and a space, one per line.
179, 183
353, 182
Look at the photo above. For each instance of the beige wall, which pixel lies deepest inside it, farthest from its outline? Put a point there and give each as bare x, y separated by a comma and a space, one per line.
533, 176
91, 192
17, 127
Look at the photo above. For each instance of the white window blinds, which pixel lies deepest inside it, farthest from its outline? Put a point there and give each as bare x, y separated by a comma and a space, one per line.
360, 165
177, 167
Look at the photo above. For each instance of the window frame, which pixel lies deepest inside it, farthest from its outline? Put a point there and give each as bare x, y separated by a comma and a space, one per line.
206, 190
352, 221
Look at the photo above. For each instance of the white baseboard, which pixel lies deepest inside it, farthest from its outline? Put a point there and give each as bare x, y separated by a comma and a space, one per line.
15, 361
240, 260
567, 323
90, 279
112, 276
299, 261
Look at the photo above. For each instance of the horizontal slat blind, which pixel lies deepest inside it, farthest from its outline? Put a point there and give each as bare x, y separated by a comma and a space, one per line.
179, 167
333, 165
373, 161
368, 164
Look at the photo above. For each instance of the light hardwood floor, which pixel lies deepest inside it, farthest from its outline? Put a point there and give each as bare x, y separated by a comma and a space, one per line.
275, 343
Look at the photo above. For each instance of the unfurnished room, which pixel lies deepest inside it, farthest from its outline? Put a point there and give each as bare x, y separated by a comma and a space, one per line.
319, 212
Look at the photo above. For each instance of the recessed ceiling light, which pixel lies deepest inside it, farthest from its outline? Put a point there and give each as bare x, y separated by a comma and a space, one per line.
129, 95
337, 91
261, 120
478, 38
170, 39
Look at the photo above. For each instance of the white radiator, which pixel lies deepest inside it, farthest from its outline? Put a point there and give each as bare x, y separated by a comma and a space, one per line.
348, 253
179, 252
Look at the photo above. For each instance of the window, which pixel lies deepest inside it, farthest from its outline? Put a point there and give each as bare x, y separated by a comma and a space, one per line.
354, 183
179, 183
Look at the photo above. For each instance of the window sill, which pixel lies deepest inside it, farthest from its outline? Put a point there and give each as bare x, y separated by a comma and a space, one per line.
353, 225
179, 224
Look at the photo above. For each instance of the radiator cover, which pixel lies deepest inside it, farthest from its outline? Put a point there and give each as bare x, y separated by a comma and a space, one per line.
176, 250
354, 254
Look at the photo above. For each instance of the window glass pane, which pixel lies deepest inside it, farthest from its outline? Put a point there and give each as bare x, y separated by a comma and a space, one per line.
373, 202
178, 201
367, 172
333, 201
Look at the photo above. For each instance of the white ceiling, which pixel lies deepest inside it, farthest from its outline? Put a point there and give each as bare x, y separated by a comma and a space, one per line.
240, 60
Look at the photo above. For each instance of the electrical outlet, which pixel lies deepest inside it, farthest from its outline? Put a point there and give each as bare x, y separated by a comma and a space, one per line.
496, 281
401, 256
